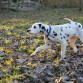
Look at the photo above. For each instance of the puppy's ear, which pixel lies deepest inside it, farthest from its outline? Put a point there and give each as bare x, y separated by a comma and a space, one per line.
39, 25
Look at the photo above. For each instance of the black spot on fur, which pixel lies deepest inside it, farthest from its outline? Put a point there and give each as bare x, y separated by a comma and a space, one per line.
74, 34
67, 34
69, 27
43, 27
55, 34
61, 29
48, 38
66, 27
60, 34
47, 30
40, 25
63, 36
79, 26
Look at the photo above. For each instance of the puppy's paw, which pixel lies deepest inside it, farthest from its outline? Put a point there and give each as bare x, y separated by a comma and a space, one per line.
63, 58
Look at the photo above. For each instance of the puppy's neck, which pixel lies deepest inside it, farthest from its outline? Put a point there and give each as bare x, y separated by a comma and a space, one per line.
46, 29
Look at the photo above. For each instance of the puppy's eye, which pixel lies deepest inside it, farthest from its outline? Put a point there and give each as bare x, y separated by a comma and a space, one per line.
34, 27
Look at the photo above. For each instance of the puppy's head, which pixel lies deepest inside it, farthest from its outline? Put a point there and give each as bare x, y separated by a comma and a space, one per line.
36, 28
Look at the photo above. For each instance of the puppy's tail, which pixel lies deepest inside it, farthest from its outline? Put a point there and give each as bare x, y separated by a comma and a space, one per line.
68, 19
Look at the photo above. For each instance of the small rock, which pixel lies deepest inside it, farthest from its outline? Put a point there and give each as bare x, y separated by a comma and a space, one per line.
38, 81
35, 76
1, 75
80, 79
2, 54
80, 52
15, 57
65, 78
72, 74
74, 80
24, 56
42, 60
15, 81
23, 68
20, 60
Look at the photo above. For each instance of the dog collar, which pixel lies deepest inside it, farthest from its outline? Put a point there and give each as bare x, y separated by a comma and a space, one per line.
49, 30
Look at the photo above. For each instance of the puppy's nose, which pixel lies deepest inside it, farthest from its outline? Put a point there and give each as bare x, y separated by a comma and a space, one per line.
28, 30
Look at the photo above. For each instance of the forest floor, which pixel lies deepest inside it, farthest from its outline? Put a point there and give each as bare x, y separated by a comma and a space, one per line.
16, 45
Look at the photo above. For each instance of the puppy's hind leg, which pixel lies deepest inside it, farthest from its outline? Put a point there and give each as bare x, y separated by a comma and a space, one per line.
63, 49
80, 34
72, 41
81, 38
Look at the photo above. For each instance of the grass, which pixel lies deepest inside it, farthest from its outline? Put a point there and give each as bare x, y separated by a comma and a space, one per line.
14, 40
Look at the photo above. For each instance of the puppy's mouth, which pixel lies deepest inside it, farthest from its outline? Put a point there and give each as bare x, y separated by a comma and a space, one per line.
29, 31
31, 34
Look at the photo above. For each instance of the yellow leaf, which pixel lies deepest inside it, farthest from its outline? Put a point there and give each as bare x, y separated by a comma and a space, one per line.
22, 48
8, 62
9, 33
6, 41
8, 51
25, 47
11, 59
33, 65
29, 64
42, 51
23, 42
2, 48
5, 27
30, 51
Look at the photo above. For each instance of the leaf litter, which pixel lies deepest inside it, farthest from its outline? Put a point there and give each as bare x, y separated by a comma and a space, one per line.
16, 46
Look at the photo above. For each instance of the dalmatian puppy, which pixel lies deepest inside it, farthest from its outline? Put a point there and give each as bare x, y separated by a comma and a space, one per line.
58, 33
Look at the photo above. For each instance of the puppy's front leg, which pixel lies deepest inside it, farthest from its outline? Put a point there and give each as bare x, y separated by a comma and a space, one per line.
63, 49
46, 46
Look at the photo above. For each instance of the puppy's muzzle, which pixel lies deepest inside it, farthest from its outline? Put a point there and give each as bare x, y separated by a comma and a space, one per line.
28, 30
